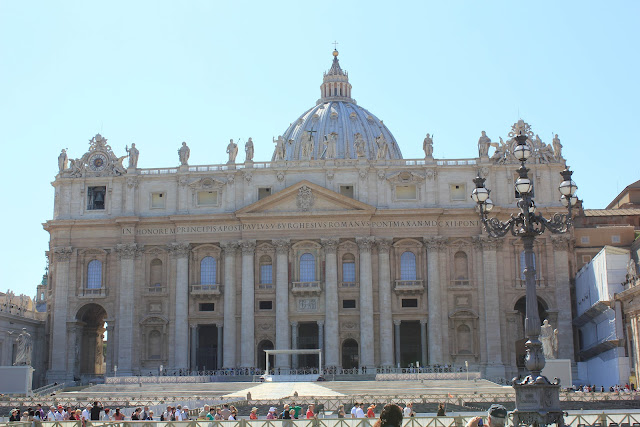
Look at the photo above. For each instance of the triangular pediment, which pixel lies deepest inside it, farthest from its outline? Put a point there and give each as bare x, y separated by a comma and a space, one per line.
305, 198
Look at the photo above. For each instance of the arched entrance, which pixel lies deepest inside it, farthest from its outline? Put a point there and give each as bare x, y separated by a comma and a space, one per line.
521, 308
350, 356
90, 343
262, 346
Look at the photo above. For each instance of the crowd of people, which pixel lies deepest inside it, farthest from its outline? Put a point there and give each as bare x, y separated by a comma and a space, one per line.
592, 388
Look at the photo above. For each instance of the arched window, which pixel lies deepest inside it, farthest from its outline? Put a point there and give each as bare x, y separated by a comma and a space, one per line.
461, 266
208, 267
523, 265
155, 275
266, 270
348, 268
408, 266
465, 346
307, 268
94, 274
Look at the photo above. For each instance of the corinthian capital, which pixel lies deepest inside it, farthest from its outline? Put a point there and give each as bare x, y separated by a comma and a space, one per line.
229, 247
487, 243
330, 246
180, 249
282, 246
63, 253
127, 250
365, 243
561, 242
383, 244
248, 247
436, 243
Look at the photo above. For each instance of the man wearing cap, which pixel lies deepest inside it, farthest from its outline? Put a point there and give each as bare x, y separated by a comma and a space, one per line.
497, 417
59, 414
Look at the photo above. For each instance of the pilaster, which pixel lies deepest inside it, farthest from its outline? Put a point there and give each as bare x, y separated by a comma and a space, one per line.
229, 354
332, 350
247, 322
384, 297
283, 341
180, 252
127, 252
435, 245
366, 303
61, 258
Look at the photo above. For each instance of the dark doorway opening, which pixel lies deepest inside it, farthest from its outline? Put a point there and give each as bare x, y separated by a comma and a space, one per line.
410, 343
350, 356
308, 340
262, 361
207, 352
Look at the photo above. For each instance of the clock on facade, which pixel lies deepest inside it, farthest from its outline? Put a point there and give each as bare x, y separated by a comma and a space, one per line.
97, 162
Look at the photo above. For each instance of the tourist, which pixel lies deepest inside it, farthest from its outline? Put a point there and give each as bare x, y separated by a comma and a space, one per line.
391, 416
253, 415
64, 415
298, 410
225, 411
211, 416
51, 415
94, 412
149, 416
86, 413
40, 411
218, 416
136, 414
441, 412
360, 411
184, 414
118, 416
205, 411
15, 415
341, 412
145, 413
310, 413
408, 410
286, 413
233, 416
272, 413
497, 416
106, 415
79, 416
354, 409
370, 411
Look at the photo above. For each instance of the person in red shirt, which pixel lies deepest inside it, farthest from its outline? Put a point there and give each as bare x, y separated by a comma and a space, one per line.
254, 413
370, 413
310, 413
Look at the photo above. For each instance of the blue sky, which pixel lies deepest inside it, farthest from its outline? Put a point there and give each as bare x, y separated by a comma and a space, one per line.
158, 73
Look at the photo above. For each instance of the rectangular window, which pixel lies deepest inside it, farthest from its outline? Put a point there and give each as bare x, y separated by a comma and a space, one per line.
157, 200
265, 305
584, 240
96, 198
264, 192
207, 306
207, 198
346, 190
409, 302
349, 272
615, 238
458, 192
406, 192
348, 303
266, 274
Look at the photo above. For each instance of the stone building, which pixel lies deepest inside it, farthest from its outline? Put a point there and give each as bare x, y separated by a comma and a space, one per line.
337, 243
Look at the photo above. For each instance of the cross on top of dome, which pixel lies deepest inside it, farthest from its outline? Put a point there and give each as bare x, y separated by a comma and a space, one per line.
335, 82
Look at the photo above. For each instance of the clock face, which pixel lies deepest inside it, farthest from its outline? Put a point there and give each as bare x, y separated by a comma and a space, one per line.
97, 162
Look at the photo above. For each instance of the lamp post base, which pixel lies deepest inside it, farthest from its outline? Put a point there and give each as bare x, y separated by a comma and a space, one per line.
537, 403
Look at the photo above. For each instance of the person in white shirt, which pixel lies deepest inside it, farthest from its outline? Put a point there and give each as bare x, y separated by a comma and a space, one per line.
106, 415
354, 409
184, 416
408, 410
59, 414
360, 411
51, 415
86, 413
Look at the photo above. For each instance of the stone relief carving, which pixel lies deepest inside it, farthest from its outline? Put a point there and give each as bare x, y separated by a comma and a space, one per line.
561, 243
349, 325
330, 146
305, 198
436, 243
128, 250
178, 249
132, 182
229, 247
63, 253
280, 176
365, 243
282, 246
183, 181
248, 176
183, 154
381, 175
383, 244
487, 243
363, 172
330, 245
330, 175
247, 247
307, 304
406, 177
100, 160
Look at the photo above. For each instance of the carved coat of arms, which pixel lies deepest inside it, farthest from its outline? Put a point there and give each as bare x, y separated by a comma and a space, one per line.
305, 198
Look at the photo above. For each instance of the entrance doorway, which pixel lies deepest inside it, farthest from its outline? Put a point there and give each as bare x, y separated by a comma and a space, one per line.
207, 353
410, 343
521, 308
350, 356
91, 345
262, 346
308, 340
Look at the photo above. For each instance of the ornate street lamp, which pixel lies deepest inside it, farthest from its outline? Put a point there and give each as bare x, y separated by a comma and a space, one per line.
537, 399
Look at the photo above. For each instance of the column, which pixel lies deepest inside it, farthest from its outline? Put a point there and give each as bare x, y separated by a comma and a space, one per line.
294, 344
219, 348
491, 309
74, 335
110, 346
194, 347
282, 302
247, 322
180, 252
561, 246
61, 257
332, 349
230, 338
635, 331
321, 337
384, 297
423, 342
366, 303
126, 253
434, 245
396, 324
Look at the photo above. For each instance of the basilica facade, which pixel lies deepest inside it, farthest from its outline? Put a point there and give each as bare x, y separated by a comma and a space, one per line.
337, 243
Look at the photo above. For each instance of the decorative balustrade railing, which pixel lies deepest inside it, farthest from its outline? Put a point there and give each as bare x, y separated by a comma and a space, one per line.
93, 292
409, 286
211, 289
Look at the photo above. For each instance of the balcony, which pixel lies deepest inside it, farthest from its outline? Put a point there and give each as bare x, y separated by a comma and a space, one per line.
348, 285
212, 290
540, 283
157, 289
265, 287
460, 282
93, 293
409, 287
306, 288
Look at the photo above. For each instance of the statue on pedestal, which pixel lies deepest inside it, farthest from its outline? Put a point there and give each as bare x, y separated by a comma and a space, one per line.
62, 160
557, 148
331, 143
427, 146
133, 155
232, 150
383, 147
25, 346
184, 153
549, 340
359, 145
307, 145
484, 142
280, 148
248, 149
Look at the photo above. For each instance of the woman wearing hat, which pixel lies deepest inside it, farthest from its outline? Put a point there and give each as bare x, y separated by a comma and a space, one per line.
15, 415
370, 413
254, 413
272, 413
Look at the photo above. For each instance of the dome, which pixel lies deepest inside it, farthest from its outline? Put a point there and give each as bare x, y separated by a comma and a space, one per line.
336, 127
